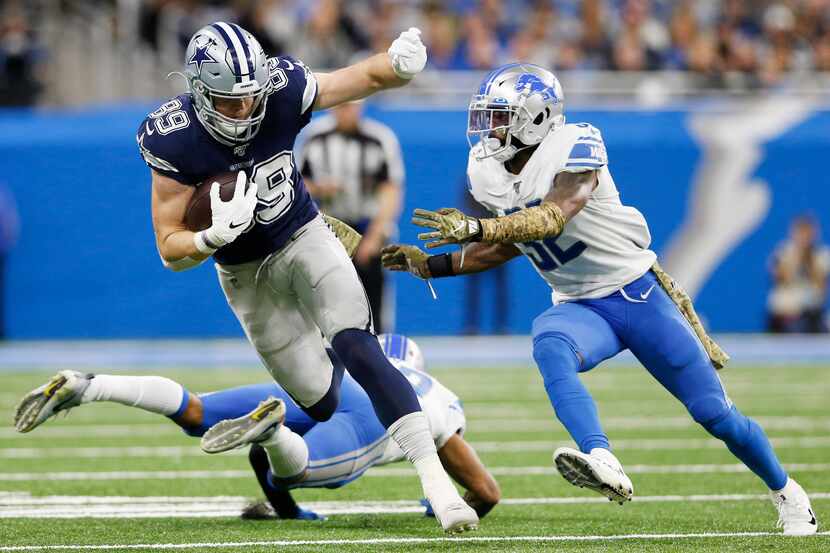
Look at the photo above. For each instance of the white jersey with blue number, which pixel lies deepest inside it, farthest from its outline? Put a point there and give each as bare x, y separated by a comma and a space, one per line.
441, 406
603, 248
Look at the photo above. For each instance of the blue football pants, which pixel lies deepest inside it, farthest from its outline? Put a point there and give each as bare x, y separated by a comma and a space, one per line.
574, 337
339, 449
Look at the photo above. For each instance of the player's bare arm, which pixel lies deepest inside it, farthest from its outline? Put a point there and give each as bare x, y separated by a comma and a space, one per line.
182, 249
169, 203
405, 59
478, 257
568, 196
463, 465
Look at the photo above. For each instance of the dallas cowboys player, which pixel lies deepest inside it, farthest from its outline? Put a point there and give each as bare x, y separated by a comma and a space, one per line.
555, 201
290, 449
285, 275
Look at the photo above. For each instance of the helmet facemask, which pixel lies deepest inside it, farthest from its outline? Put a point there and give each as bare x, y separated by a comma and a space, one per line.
494, 125
227, 129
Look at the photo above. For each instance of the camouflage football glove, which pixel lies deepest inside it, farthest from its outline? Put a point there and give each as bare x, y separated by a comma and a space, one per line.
400, 257
451, 227
348, 236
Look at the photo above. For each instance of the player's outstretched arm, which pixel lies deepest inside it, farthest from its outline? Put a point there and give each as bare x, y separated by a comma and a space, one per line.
181, 249
405, 58
568, 196
477, 258
462, 463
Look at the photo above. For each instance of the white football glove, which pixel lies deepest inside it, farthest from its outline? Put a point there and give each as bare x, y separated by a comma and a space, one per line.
408, 54
231, 218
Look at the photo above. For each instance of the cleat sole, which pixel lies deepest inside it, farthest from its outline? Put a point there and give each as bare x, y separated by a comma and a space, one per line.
232, 433
581, 474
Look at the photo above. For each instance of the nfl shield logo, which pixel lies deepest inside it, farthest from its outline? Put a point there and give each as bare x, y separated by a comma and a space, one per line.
240, 150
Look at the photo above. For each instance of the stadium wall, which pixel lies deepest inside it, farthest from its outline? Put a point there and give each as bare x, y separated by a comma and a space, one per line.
719, 185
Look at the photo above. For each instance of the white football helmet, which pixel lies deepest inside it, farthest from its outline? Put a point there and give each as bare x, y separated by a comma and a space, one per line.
399, 347
223, 60
517, 101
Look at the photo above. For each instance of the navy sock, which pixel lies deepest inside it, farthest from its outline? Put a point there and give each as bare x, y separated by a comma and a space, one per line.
391, 393
327, 405
574, 406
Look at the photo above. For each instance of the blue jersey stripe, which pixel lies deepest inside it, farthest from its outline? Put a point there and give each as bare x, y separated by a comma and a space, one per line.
581, 150
249, 61
229, 43
584, 164
397, 345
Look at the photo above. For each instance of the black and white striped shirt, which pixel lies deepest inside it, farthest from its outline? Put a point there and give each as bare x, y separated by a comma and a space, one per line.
358, 161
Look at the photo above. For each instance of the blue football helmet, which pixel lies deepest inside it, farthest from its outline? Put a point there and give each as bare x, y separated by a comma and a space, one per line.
517, 101
398, 348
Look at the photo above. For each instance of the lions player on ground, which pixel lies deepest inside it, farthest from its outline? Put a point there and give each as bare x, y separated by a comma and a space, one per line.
289, 448
284, 273
555, 201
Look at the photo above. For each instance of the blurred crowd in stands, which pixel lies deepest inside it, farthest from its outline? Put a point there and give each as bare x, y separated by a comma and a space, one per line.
756, 38
730, 43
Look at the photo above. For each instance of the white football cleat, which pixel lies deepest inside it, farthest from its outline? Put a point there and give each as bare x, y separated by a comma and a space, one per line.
456, 517
795, 514
256, 426
595, 473
62, 392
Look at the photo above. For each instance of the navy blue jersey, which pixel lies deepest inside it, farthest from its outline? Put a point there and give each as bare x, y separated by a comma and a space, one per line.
175, 144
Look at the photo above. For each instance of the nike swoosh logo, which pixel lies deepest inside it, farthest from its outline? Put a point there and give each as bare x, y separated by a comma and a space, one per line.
150, 131
647, 293
235, 226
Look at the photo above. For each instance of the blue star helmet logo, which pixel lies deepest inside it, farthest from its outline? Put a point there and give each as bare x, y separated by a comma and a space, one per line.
201, 56
532, 83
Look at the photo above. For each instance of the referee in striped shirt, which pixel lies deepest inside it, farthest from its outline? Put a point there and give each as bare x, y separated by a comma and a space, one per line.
353, 168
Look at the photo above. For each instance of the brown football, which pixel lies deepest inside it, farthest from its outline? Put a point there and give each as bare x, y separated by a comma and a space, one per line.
198, 215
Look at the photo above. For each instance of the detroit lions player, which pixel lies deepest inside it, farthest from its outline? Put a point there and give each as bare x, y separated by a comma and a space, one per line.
554, 200
285, 275
294, 450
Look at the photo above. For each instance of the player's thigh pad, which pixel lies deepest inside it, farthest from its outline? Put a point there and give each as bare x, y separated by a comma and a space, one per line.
587, 333
326, 282
284, 336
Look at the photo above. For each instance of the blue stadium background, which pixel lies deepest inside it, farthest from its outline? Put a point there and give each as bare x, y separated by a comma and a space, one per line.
86, 264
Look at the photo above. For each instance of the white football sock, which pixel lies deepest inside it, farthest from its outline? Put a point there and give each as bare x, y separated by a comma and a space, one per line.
151, 393
607, 456
411, 432
287, 452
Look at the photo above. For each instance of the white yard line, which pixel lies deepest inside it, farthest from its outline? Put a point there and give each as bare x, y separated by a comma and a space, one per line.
94, 431
70, 507
385, 472
490, 425
512, 425
391, 541
485, 447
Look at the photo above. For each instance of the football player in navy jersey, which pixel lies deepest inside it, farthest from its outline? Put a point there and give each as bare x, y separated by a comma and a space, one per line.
285, 275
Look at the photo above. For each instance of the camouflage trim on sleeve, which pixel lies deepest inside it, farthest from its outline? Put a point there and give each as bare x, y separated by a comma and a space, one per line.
679, 296
534, 223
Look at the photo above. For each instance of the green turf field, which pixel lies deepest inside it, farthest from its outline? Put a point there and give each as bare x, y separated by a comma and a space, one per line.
101, 456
